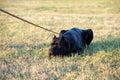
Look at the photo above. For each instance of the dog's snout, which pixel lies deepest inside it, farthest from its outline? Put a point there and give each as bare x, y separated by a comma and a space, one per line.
50, 54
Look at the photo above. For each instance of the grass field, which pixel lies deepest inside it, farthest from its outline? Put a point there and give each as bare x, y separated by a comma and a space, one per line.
24, 48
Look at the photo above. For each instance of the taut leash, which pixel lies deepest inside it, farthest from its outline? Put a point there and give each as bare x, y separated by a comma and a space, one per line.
26, 21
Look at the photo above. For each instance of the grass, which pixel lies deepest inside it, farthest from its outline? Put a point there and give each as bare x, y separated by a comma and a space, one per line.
24, 48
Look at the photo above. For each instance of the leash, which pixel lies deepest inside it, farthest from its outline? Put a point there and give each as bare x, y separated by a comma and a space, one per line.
26, 21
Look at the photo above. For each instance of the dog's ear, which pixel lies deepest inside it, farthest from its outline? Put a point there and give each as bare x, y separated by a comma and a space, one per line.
87, 36
63, 39
54, 37
62, 32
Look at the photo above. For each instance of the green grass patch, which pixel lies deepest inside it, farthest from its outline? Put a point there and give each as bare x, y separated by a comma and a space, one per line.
24, 48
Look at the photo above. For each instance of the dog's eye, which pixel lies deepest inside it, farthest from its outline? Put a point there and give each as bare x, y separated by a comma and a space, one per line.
52, 44
56, 44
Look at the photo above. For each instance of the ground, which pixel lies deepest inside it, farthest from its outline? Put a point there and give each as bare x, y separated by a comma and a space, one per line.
24, 48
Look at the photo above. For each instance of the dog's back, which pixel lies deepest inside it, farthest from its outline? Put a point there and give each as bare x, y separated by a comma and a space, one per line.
74, 35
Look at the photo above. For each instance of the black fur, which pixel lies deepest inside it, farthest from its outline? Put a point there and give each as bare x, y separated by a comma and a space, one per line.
70, 41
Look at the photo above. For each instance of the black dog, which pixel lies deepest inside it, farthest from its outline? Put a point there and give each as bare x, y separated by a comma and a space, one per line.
70, 41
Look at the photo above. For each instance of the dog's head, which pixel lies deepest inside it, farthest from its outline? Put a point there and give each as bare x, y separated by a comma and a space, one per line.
87, 36
59, 46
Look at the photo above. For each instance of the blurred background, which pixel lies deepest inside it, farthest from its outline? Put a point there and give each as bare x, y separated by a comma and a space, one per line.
24, 48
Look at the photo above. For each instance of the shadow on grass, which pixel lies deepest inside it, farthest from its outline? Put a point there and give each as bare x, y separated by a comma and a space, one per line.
104, 44
108, 44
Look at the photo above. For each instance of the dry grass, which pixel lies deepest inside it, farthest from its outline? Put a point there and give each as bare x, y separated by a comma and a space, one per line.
24, 48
